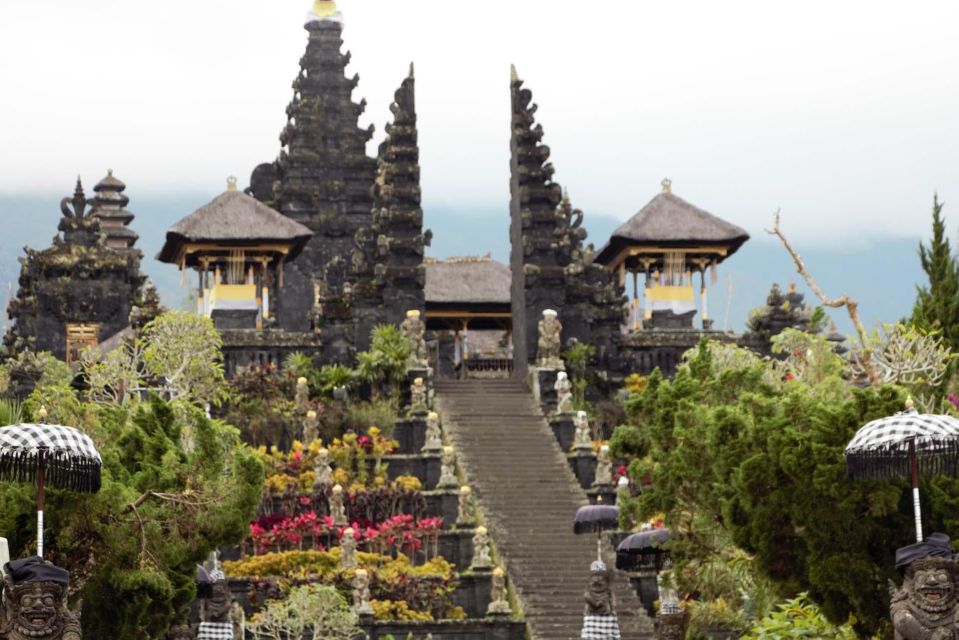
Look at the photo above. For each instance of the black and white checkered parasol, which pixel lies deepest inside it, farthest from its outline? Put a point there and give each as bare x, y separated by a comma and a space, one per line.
881, 449
70, 459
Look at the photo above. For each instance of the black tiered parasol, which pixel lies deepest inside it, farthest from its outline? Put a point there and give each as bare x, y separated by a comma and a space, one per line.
596, 518
906, 444
49, 454
643, 551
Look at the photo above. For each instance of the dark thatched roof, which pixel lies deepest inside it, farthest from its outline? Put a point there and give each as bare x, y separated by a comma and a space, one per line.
467, 281
234, 219
670, 221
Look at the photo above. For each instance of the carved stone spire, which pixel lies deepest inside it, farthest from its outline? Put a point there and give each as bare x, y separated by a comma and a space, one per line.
552, 269
109, 208
388, 256
75, 293
321, 179
77, 226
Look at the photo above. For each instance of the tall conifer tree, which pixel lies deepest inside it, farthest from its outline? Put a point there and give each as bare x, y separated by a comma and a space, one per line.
937, 305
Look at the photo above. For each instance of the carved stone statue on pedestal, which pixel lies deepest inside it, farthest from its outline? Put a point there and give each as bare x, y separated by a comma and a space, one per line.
215, 619
418, 399
583, 440
337, 509
564, 394
448, 469
498, 605
548, 345
604, 468
434, 435
481, 550
35, 602
464, 508
361, 593
323, 470
311, 427
348, 549
302, 396
414, 330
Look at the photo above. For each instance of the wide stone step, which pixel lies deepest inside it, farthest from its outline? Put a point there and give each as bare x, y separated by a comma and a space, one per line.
530, 496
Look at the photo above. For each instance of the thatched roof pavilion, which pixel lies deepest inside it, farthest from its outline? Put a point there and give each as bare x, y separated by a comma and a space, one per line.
669, 222
238, 246
670, 241
232, 220
470, 290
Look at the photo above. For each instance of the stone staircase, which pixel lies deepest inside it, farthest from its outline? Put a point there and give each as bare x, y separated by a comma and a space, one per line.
529, 497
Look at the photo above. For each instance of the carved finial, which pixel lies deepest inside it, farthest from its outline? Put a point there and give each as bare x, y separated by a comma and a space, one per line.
109, 173
565, 196
513, 76
324, 8
909, 403
42, 414
667, 185
231, 183
412, 73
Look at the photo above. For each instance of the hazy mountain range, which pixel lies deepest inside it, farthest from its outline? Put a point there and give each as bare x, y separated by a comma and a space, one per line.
881, 274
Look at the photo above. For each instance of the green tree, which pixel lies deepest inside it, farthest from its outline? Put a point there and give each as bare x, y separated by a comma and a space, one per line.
761, 457
319, 609
175, 486
177, 352
937, 303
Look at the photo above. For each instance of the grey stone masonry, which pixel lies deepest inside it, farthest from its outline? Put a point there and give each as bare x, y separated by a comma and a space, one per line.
529, 497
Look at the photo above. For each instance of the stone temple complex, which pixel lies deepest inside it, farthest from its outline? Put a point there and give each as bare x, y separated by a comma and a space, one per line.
327, 243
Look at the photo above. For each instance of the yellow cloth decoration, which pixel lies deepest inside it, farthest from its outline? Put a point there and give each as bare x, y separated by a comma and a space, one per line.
670, 294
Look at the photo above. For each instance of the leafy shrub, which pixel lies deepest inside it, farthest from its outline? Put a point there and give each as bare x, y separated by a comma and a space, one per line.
799, 618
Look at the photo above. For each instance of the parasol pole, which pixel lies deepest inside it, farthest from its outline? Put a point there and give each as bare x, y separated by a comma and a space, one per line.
915, 488
41, 455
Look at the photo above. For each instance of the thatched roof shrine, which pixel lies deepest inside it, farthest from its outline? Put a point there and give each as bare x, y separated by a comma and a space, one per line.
233, 220
668, 222
476, 280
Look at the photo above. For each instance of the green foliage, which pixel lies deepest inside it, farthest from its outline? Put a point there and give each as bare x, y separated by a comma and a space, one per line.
177, 353
937, 304
166, 501
384, 365
261, 405
760, 457
318, 608
300, 365
577, 359
335, 375
799, 618
11, 412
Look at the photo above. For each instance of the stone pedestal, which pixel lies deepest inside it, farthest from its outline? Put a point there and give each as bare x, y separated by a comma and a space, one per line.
425, 466
410, 434
583, 464
443, 503
474, 592
457, 548
564, 429
647, 590
542, 382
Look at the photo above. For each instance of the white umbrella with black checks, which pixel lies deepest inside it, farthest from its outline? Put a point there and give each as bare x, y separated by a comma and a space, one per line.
906, 444
49, 454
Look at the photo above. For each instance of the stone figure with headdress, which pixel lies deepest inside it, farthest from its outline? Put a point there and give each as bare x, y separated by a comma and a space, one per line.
35, 602
549, 342
599, 616
925, 606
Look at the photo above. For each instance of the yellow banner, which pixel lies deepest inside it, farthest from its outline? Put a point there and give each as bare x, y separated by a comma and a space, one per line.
670, 294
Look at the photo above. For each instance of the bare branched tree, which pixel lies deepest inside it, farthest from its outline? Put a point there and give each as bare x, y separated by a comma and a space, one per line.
852, 307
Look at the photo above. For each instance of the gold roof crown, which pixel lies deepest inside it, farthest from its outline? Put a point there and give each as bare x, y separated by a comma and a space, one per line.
324, 8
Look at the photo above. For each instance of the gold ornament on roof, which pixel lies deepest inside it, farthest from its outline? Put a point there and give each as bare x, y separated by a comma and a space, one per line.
667, 185
231, 183
324, 8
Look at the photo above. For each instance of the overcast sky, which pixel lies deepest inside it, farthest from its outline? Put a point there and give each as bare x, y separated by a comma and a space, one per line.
845, 114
